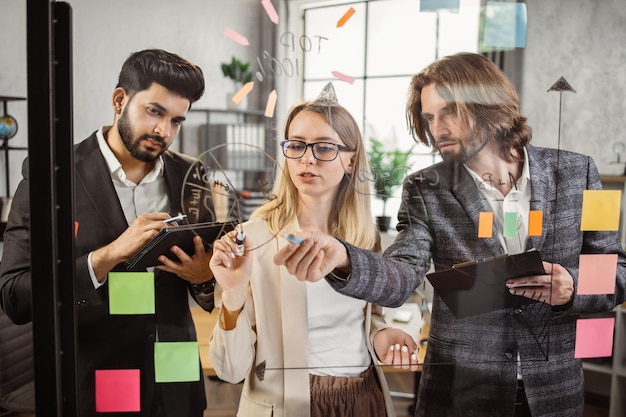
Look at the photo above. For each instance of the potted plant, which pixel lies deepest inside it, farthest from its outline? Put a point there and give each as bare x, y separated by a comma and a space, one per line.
389, 168
240, 73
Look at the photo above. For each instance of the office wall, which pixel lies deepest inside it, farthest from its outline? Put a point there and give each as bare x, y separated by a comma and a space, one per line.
585, 42
581, 40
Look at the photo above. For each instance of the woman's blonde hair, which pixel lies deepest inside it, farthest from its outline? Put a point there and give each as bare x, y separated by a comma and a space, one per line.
352, 220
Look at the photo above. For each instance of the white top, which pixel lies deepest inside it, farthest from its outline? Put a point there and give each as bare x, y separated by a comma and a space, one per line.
336, 332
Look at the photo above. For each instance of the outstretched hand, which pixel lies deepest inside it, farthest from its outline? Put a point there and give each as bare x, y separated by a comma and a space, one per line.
314, 258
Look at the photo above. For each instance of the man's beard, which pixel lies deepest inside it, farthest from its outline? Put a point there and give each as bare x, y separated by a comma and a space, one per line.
126, 132
467, 151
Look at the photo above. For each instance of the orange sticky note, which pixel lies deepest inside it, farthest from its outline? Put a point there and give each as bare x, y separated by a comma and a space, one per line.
485, 224
596, 273
75, 229
347, 15
271, 104
594, 338
601, 210
117, 390
243, 91
535, 223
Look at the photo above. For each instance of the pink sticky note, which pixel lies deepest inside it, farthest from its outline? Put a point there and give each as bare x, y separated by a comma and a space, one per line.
236, 36
343, 77
270, 10
117, 390
596, 273
271, 104
594, 338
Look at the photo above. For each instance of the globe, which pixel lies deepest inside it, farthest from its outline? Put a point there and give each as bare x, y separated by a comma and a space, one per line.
8, 127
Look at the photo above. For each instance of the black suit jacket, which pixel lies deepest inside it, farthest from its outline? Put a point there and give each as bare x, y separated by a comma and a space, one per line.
111, 341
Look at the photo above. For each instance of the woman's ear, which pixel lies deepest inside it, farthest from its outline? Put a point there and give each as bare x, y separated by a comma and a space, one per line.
350, 166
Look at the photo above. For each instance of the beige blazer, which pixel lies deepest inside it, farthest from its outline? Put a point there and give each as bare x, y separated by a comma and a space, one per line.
269, 346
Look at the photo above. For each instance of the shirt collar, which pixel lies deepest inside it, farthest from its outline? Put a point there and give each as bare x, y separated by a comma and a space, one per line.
523, 181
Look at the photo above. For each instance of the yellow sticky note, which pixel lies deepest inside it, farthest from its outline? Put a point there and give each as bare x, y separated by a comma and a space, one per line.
601, 210
535, 223
485, 224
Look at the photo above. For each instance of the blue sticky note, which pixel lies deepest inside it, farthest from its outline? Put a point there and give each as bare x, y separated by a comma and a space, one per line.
505, 25
434, 5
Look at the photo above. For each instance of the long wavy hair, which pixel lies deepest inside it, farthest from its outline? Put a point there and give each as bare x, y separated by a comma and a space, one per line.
480, 95
352, 220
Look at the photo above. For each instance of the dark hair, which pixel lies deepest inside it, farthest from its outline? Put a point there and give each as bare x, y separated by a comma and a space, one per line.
480, 95
173, 72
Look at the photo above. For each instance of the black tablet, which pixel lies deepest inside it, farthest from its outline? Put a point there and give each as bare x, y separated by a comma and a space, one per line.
181, 236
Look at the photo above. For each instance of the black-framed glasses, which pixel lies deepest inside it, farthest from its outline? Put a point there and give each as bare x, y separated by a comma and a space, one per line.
322, 151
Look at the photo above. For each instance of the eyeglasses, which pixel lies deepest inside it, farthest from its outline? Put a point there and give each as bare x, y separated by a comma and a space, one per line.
322, 151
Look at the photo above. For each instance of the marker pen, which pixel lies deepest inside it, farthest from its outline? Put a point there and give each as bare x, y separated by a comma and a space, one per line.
239, 239
175, 218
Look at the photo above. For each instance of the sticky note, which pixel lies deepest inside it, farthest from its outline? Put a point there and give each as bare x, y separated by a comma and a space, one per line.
505, 25
485, 224
75, 229
434, 5
594, 338
117, 390
596, 273
347, 15
343, 77
270, 106
236, 36
243, 91
601, 210
535, 223
270, 10
131, 292
510, 224
176, 362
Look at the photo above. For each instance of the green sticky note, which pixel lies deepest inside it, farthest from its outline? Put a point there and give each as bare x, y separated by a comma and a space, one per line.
131, 292
510, 224
176, 362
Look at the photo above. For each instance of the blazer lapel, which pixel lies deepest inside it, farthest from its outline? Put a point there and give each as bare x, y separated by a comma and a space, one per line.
464, 189
542, 197
92, 176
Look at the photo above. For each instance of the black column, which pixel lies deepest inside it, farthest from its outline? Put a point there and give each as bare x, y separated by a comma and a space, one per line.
50, 143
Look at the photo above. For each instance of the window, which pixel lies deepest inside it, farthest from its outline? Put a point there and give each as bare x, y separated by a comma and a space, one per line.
381, 46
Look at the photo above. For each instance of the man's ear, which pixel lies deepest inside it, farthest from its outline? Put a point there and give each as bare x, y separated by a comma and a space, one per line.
119, 99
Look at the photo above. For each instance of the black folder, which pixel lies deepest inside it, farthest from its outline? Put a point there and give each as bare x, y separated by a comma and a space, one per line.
478, 287
181, 236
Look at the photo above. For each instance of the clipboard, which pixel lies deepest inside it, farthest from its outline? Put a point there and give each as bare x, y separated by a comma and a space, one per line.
477, 287
181, 236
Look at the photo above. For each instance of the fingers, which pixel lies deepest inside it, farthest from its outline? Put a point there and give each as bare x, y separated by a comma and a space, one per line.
401, 357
